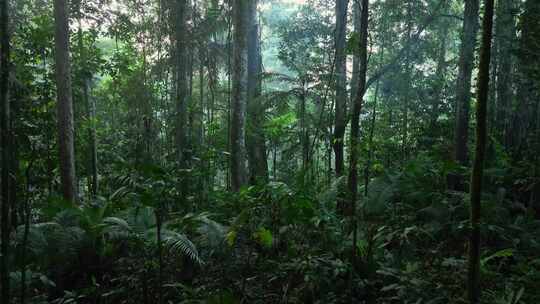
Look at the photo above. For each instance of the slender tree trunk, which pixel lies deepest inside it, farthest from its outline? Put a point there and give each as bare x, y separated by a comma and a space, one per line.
191, 111
202, 180
274, 161
480, 151
463, 86
239, 95
4, 139
200, 108
355, 127
159, 219
181, 83
27, 211
65, 102
213, 79
14, 166
27, 217
229, 92
357, 10
340, 121
255, 139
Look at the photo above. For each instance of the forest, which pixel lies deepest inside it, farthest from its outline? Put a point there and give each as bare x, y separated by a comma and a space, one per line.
270, 151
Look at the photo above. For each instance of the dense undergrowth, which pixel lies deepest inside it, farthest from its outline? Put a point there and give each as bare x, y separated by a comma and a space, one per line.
278, 243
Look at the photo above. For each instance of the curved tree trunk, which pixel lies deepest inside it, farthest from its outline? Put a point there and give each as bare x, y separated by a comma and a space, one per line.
65, 103
480, 151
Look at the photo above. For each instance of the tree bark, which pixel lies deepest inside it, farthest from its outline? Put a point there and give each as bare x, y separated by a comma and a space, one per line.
64, 102
355, 125
463, 86
239, 95
340, 121
228, 180
357, 106
4, 140
255, 139
480, 151
356, 62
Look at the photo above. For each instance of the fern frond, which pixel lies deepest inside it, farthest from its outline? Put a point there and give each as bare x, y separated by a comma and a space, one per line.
179, 243
117, 228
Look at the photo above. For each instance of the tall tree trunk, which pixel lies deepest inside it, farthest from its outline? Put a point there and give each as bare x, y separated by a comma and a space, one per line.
463, 86
473, 286
213, 79
239, 94
202, 180
159, 221
355, 125
64, 102
340, 121
356, 62
504, 39
229, 90
181, 82
4, 140
255, 139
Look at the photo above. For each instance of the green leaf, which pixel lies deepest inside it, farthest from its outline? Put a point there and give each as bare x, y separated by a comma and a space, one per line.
264, 237
231, 237
499, 254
